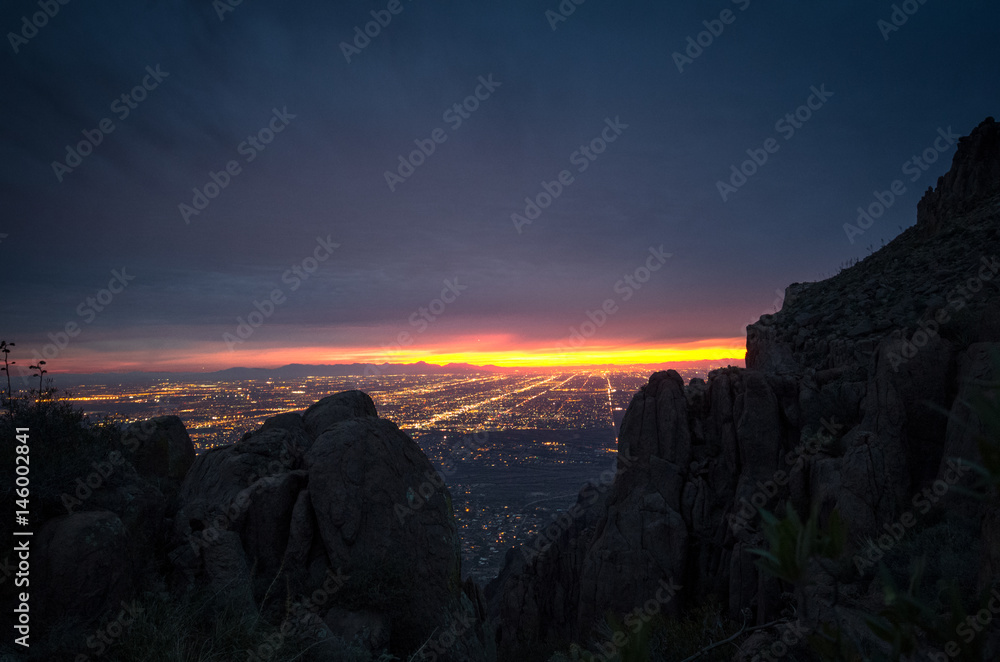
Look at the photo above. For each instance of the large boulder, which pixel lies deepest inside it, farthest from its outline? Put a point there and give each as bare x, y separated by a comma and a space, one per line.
81, 567
209, 492
335, 409
333, 491
161, 449
378, 500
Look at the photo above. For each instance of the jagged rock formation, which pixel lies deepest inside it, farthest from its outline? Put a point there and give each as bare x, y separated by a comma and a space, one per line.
335, 491
974, 177
843, 403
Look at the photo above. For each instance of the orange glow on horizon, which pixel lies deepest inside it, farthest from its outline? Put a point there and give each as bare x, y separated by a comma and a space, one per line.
489, 353
700, 351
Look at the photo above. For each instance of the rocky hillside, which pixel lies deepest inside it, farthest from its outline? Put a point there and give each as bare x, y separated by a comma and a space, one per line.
940, 276
322, 535
853, 399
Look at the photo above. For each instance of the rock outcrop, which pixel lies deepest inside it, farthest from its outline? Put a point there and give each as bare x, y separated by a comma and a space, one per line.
161, 449
331, 523
974, 178
84, 568
336, 491
853, 398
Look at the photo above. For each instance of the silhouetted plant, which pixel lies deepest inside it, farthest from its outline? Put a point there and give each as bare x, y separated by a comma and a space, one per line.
903, 624
41, 371
902, 615
792, 544
986, 403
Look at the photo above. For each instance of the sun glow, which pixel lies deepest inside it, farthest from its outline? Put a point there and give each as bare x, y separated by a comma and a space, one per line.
481, 349
701, 351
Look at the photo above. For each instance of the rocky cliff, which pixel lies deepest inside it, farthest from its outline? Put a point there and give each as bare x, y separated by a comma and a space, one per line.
853, 399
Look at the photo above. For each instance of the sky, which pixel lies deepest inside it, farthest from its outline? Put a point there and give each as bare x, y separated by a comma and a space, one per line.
195, 185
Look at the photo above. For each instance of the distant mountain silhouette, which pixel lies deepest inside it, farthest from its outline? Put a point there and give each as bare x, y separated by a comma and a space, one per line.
299, 371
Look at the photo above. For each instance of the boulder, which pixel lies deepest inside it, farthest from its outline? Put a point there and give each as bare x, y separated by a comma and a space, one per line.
161, 449
365, 628
335, 409
209, 493
227, 570
379, 502
81, 567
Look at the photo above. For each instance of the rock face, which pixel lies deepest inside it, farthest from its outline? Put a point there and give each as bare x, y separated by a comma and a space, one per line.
161, 449
974, 178
337, 491
85, 569
844, 403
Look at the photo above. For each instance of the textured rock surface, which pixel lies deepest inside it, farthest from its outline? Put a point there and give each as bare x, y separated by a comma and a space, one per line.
336, 490
843, 404
923, 273
973, 178
81, 567
163, 449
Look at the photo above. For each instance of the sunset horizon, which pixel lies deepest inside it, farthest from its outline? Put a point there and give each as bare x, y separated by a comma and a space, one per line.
702, 351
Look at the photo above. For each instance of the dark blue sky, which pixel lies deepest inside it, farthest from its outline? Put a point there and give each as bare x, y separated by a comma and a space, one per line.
324, 173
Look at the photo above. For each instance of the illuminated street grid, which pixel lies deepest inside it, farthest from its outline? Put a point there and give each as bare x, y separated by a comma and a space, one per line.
514, 449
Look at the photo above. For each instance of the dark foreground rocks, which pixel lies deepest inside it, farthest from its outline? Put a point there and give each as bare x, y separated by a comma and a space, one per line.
330, 526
